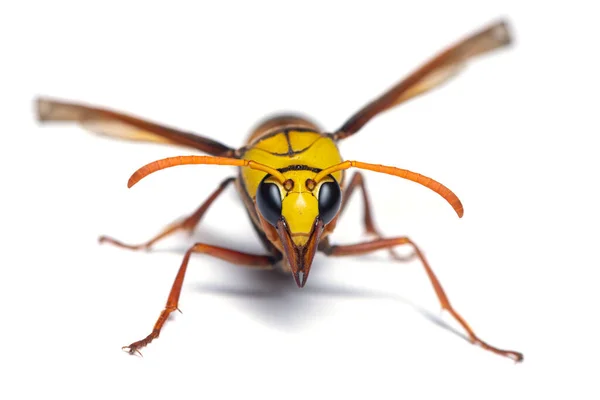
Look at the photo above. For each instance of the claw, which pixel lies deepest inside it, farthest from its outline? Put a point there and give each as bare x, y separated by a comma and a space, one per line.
132, 349
115, 242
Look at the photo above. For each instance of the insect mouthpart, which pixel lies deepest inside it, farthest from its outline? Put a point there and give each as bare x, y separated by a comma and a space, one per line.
300, 257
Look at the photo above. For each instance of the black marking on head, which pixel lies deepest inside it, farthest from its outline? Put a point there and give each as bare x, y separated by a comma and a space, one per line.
299, 167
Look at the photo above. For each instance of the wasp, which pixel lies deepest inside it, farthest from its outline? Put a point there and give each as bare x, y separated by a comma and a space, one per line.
291, 179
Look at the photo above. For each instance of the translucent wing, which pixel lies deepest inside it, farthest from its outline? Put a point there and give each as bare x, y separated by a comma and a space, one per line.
431, 75
121, 126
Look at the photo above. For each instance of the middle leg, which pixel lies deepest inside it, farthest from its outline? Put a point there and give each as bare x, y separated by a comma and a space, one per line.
186, 224
358, 181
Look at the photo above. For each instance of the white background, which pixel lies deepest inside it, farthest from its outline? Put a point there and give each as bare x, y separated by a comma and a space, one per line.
515, 137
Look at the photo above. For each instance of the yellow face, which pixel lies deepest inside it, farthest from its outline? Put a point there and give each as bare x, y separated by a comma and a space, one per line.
299, 209
301, 202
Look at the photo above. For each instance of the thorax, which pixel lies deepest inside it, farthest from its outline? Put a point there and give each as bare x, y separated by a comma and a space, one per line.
288, 142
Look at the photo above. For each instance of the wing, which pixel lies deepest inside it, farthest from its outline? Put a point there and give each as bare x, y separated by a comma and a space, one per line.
431, 75
121, 126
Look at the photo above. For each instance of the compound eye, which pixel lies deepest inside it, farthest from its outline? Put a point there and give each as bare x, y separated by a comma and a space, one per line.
330, 198
268, 200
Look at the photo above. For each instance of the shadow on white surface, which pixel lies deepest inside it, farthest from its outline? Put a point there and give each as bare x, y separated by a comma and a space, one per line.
280, 304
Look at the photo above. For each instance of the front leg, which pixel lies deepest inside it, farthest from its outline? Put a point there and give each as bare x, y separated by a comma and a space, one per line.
236, 257
378, 244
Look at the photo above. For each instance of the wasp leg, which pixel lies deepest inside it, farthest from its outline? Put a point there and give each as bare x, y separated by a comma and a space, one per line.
186, 224
378, 244
236, 257
370, 228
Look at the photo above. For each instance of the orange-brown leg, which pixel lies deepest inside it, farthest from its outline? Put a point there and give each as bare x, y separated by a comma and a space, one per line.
236, 257
378, 244
358, 181
186, 224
